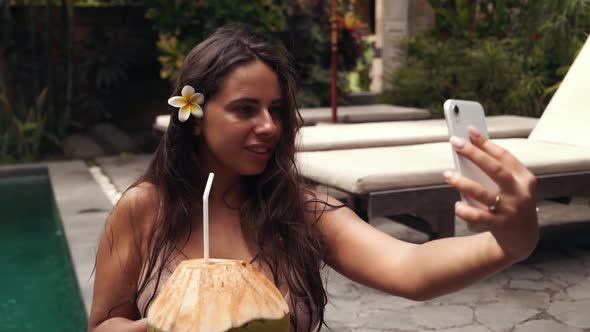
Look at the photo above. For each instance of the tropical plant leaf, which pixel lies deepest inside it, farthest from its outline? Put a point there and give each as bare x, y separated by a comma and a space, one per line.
29, 127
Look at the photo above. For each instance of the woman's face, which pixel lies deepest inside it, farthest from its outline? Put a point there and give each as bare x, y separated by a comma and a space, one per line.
241, 125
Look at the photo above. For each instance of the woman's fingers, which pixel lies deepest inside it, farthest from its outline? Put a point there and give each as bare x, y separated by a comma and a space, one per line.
512, 220
471, 188
491, 166
481, 219
499, 153
519, 171
140, 325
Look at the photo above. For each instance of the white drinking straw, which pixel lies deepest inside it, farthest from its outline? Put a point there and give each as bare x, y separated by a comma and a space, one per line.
206, 217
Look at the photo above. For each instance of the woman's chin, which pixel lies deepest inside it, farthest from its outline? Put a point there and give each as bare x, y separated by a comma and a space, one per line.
253, 171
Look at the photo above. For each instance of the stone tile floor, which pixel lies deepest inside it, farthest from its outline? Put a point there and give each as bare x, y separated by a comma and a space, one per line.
550, 291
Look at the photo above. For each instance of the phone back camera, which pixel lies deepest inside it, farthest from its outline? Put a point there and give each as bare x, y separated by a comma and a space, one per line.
456, 110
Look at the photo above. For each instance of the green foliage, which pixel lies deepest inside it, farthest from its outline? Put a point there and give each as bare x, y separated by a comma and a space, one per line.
182, 24
198, 18
21, 139
488, 70
509, 55
360, 78
103, 69
30, 122
302, 26
78, 3
307, 38
172, 53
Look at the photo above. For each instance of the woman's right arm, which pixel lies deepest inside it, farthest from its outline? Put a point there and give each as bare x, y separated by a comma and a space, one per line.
118, 267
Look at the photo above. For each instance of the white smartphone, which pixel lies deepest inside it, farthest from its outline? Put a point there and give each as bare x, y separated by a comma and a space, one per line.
460, 115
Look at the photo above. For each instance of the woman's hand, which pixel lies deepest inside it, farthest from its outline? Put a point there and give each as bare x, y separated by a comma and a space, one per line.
422, 272
513, 218
121, 324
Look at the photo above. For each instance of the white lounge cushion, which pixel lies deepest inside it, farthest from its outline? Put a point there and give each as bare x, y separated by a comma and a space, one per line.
363, 113
369, 170
360, 135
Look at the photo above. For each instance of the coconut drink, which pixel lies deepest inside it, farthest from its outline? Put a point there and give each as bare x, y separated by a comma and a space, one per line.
217, 295
221, 295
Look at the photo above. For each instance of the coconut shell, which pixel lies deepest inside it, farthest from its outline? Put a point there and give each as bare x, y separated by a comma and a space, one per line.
216, 297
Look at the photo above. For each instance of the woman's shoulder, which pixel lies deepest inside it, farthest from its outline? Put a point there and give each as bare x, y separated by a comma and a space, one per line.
137, 208
143, 194
317, 203
313, 195
140, 198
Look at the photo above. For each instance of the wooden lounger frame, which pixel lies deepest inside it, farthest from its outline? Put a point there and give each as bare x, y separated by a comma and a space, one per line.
430, 209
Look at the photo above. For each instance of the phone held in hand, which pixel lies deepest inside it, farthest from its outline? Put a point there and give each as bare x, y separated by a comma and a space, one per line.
460, 115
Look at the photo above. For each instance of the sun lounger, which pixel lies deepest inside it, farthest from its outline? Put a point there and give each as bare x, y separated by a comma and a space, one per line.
404, 181
346, 114
392, 133
363, 113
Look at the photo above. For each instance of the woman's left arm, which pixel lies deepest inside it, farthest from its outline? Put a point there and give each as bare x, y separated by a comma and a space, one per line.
420, 272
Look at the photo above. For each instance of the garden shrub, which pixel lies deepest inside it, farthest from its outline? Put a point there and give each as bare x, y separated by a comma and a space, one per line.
508, 55
302, 26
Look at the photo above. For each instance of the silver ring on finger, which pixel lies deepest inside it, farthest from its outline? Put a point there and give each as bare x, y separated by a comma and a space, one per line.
492, 208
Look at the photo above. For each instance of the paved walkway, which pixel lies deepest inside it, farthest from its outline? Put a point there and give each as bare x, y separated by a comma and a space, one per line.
548, 292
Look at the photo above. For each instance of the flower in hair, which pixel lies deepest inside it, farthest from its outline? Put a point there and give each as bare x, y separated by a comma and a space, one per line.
189, 103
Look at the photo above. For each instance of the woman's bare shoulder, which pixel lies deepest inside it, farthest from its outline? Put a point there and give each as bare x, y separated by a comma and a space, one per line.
317, 196
316, 203
143, 194
137, 209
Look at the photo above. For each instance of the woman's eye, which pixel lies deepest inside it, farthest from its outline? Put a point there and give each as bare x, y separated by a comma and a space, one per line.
245, 109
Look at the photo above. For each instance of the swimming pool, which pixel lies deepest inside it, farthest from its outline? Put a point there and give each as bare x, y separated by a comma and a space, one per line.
38, 288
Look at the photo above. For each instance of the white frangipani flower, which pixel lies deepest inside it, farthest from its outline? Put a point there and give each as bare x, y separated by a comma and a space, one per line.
189, 103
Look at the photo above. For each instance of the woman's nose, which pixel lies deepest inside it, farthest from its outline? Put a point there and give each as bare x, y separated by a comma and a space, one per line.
267, 124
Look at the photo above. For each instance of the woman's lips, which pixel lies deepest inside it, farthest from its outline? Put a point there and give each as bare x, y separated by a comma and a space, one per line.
260, 151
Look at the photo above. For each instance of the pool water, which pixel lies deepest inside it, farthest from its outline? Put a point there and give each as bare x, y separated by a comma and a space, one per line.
38, 288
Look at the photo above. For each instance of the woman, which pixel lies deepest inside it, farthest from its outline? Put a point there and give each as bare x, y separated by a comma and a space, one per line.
261, 213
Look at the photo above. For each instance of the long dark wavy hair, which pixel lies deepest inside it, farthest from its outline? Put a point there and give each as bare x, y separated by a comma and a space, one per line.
272, 215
